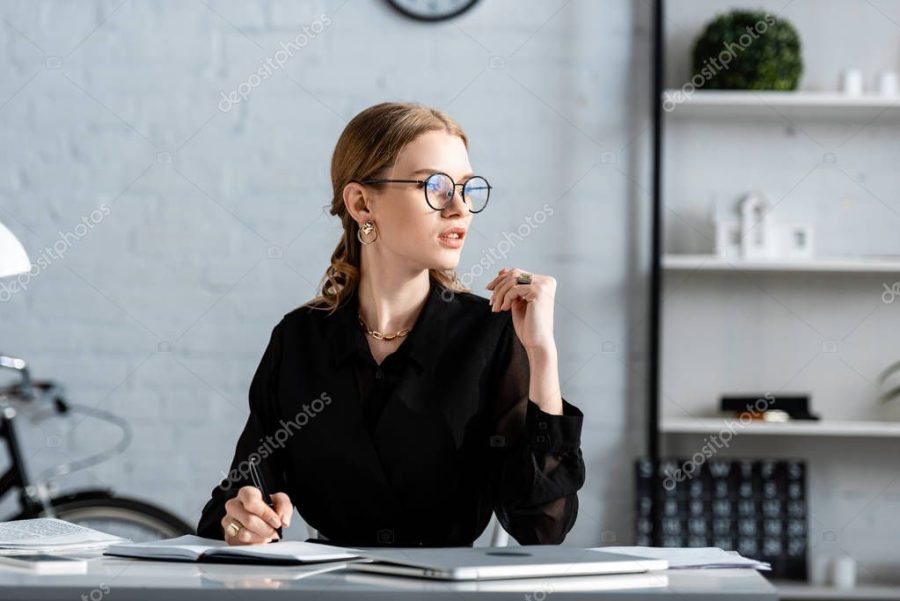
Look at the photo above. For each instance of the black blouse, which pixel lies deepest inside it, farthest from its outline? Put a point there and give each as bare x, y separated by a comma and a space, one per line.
417, 451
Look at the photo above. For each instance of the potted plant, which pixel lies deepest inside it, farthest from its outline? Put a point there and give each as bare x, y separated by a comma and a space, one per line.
747, 50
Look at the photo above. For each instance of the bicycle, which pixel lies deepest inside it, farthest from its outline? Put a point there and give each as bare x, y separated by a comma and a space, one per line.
98, 508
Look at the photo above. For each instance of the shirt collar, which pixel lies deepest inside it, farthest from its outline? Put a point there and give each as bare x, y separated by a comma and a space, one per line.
420, 345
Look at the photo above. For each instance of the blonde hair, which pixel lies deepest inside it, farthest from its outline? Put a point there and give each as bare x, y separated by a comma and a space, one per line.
369, 144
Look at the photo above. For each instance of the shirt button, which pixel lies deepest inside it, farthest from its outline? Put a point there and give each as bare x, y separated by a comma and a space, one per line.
379, 374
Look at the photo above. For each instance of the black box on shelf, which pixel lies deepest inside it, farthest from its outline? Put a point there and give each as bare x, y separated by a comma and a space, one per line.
755, 507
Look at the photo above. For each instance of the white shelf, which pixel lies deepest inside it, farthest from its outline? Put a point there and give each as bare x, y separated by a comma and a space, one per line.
715, 425
704, 102
676, 262
799, 590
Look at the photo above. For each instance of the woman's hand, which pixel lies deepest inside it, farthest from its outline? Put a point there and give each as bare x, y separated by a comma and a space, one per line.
531, 306
257, 521
532, 317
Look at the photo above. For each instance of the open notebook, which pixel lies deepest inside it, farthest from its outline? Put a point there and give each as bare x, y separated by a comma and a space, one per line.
194, 548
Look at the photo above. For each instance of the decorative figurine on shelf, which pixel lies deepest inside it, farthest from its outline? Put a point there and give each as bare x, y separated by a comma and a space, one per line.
754, 237
756, 231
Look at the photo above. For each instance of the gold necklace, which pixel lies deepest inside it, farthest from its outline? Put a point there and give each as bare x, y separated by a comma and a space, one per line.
379, 335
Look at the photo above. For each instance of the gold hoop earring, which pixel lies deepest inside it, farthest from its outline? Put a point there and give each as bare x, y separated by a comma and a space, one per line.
368, 227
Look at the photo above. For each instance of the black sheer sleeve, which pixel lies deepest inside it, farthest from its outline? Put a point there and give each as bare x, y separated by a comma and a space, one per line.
255, 443
538, 454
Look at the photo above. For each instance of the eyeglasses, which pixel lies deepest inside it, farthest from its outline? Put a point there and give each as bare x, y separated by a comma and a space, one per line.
440, 188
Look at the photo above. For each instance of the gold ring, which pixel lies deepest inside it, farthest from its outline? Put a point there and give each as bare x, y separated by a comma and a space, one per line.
234, 527
523, 278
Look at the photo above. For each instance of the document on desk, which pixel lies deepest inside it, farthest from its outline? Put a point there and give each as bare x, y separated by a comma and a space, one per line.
691, 557
49, 535
195, 548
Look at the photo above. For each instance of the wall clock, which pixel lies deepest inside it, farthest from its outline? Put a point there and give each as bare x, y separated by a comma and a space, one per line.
432, 10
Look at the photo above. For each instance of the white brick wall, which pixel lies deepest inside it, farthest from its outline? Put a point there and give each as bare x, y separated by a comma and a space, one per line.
216, 224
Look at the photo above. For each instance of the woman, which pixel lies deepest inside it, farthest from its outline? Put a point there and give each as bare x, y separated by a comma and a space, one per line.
398, 408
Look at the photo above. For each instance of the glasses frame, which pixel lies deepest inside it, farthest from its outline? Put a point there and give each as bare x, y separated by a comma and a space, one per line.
423, 182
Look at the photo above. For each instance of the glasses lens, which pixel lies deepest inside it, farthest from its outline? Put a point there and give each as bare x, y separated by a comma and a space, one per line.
477, 192
438, 190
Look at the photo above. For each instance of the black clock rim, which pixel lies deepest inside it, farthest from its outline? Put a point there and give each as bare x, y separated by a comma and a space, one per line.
406, 13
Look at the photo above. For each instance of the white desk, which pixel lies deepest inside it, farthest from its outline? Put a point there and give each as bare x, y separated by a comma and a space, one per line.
119, 579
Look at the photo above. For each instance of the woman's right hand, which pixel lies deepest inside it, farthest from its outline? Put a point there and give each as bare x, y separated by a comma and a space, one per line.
258, 521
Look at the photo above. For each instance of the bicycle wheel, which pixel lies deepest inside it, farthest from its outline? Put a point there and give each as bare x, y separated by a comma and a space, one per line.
128, 518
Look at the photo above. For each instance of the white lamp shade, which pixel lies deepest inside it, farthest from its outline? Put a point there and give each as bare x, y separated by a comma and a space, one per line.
13, 258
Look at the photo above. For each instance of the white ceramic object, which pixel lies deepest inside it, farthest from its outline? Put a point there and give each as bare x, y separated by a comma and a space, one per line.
887, 84
843, 572
820, 570
852, 82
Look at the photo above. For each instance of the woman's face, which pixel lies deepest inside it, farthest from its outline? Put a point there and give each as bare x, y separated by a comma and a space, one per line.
409, 230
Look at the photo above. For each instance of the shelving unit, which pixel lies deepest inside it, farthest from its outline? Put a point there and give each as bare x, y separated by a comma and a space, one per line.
676, 262
705, 103
845, 428
792, 591
691, 114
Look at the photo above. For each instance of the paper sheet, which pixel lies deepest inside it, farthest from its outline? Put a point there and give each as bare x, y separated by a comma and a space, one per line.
49, 534
691, 557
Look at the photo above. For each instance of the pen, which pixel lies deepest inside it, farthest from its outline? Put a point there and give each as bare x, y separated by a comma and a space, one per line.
259, 483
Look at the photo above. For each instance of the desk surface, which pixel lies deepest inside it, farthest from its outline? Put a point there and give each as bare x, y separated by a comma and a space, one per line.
122, 579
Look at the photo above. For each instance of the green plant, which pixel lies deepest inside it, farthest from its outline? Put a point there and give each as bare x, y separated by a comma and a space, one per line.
747, 50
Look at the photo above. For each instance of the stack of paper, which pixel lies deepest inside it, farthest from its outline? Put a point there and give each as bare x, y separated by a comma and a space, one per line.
49, 535
691, 558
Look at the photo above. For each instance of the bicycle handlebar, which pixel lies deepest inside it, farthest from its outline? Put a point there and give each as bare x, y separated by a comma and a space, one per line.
19, 365
29, 389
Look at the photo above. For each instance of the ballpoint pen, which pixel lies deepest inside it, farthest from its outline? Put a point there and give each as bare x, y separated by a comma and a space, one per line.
259, 483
